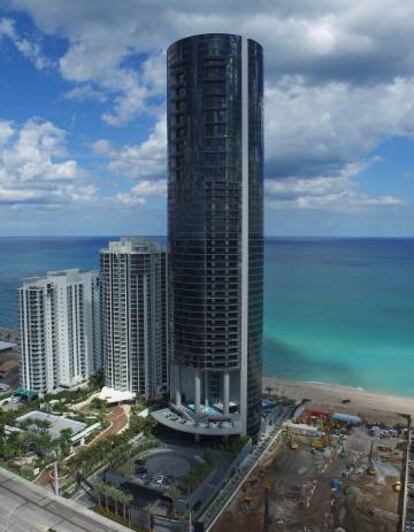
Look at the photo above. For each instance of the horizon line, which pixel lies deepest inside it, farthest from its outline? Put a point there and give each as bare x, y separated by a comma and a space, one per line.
120, 235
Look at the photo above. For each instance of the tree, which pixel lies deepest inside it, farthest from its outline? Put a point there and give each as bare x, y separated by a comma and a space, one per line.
98, 403
115, 495
136, 424
65, 441
174, 493
149, 509
43, 444
102, 488
149, 425
11, 446
96, 381
98, 490
126, 498
269, 390
44, 425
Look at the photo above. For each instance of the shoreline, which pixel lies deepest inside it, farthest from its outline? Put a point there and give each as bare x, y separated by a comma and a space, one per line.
320, 395
327, 396
8, 335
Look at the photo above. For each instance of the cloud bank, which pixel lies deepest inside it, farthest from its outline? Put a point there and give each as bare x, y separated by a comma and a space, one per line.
339, 81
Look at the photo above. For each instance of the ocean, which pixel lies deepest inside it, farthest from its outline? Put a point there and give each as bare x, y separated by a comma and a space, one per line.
336, 310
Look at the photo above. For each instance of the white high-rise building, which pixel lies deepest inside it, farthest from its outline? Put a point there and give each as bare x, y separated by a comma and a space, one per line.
134, 317
60, 336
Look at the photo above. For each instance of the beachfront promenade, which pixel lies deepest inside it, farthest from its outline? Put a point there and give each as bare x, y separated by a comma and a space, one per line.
26, 507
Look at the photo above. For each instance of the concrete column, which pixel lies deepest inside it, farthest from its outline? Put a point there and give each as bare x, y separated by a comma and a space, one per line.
197, 391
206, 388
226, 393
177, 386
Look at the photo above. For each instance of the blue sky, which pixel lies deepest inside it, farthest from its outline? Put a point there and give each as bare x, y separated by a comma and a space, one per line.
82, 113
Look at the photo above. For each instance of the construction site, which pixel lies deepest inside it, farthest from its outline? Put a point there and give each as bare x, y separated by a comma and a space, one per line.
326, 472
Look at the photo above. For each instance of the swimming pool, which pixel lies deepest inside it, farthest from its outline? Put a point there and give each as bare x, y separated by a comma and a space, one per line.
206, 410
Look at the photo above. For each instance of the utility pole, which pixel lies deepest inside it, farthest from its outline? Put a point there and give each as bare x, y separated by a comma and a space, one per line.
56, 470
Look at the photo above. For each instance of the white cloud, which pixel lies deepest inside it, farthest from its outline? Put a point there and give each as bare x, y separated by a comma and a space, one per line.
129, 102
142, 190
86, 93
312, 128
339, 78
30, 50
339, 193
147, 159
6, 131
34, 167
324, 40
102, 147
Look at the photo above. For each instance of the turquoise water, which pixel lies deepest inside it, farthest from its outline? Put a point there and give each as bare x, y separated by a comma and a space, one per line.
341, 311
336, 310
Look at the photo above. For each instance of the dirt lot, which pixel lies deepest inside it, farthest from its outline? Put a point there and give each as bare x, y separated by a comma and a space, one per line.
9, 364
300, 493
9, 359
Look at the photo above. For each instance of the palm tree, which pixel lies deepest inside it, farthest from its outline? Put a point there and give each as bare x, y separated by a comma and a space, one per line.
99, 491
44, 443
174, 493
269, 390
149, 511
115, 495
103, 489
42, 424
127, 498
65, 440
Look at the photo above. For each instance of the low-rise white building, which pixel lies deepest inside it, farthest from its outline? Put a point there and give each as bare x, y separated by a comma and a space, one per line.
60, 337
79, 430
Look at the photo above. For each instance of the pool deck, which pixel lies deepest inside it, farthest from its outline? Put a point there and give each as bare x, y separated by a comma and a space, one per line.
218, 427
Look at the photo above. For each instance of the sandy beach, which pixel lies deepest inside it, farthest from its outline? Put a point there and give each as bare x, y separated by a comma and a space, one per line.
372, 406
8, 335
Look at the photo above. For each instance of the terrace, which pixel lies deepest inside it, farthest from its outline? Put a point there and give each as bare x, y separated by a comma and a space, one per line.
208, 421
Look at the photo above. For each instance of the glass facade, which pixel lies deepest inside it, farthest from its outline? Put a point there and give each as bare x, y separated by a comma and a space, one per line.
205, 216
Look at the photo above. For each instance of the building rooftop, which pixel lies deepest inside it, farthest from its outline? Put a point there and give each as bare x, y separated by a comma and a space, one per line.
58, 423
6, 345
115, 396
132, 244
72, 275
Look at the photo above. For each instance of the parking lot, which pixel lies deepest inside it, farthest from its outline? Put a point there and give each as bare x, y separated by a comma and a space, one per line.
159, 469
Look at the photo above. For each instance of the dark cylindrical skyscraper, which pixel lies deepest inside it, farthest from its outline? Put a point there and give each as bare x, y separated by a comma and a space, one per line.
215, 217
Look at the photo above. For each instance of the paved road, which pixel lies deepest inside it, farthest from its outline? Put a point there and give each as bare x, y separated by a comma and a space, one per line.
25, 507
